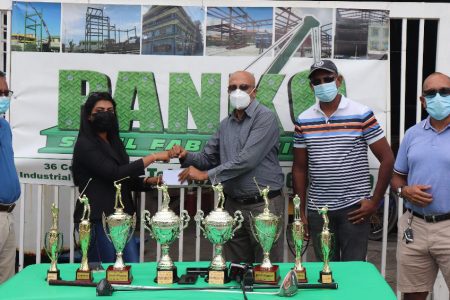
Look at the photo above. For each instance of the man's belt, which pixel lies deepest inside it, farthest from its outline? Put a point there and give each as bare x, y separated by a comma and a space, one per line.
7, 207
254, 199
432, 218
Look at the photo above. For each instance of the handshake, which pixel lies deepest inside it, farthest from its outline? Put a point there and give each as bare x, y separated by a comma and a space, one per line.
190, 173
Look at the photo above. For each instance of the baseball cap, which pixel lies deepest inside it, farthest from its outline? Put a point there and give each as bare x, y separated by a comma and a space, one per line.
325, 64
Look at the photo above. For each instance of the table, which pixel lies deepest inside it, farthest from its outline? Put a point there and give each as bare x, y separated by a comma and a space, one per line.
357, 280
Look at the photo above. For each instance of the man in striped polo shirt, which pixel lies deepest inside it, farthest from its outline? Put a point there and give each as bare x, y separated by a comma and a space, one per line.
331, 163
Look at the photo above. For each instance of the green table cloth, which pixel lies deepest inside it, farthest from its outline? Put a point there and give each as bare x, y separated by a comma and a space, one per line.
357, 280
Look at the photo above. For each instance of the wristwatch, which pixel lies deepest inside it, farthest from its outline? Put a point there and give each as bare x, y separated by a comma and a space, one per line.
399, 191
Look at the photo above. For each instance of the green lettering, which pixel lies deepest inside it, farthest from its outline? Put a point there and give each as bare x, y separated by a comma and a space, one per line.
74, 86
268, 87
204, 108
67, 141
157, 144
173, 143
193, 145
130, 145
135, 89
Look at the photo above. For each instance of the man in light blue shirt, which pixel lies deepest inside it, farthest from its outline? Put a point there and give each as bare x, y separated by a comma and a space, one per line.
422, 178
9, 188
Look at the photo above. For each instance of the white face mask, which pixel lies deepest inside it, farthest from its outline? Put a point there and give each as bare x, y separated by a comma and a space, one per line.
239, 99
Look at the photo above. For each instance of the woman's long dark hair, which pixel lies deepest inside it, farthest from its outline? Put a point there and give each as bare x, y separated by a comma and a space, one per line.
88, 131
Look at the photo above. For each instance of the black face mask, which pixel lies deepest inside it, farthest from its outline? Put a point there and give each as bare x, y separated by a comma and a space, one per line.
103, 121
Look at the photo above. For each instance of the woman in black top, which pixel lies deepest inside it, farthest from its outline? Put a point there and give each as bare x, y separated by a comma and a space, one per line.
100, 154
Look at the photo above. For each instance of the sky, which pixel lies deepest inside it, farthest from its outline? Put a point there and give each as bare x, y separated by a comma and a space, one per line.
74, 16
51, 13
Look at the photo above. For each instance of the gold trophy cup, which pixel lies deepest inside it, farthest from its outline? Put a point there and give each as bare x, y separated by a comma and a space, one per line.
119, 228
266, 229
298, 235
83, 273
52, 243
326, 275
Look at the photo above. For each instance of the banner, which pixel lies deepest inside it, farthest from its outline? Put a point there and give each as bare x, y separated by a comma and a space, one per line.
168, 67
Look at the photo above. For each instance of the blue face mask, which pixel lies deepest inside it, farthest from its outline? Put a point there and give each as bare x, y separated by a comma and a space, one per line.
438, 107
326, 92
4, 104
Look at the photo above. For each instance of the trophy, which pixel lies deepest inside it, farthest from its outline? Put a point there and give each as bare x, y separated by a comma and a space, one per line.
325, 244
52, 243
165, 227
119, 228
298, 234
218, 229
266, 229
84, 230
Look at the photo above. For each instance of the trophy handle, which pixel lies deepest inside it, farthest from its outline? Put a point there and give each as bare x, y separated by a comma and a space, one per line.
199, 219
252, 229
238, 219
132, 228
185, 218
105, 226
45, 244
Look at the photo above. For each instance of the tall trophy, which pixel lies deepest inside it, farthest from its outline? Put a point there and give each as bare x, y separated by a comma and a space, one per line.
266, 229
298, 235
52, 243
325, 244
165, 227
83, 273
218, 229
119, 228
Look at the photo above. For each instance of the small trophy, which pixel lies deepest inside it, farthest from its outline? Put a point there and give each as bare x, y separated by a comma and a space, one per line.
325, 243
298, 234
165, 227
119, 228
84, 229
218, 229
52, 243
266, 229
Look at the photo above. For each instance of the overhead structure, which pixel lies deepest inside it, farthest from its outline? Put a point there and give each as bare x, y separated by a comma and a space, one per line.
236, 28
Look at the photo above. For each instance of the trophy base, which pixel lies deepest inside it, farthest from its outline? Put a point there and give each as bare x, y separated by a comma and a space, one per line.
217, 277
84, 275
53, 275
166, 276
326, 277
267, 275
301, 275
123, 276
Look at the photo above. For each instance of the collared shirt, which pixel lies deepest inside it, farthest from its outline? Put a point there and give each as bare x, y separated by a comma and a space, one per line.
241, 150
9, 181
425, 158
337, 152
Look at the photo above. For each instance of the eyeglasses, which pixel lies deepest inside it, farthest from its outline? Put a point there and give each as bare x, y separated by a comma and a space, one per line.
431, 93
242, 87
318, 81
7, 93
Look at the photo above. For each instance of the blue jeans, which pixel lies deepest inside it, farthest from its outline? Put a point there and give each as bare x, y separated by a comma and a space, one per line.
349, 241
102, 250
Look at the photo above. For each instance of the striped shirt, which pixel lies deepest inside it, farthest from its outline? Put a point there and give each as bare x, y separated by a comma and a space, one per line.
337, 152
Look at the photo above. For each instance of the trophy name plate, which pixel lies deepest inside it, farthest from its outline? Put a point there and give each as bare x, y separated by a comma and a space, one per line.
267, 276
83, 275
119, 276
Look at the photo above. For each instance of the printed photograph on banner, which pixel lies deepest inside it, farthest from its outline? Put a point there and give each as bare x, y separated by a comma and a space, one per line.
36, 27
173, 30
309, 31
238, 31
94, 28
361, 34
